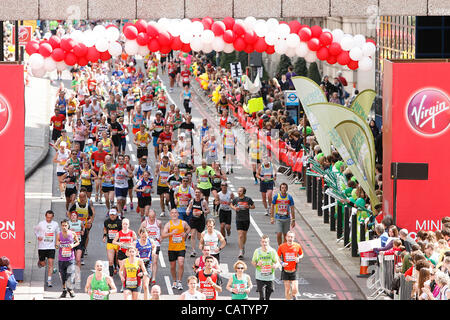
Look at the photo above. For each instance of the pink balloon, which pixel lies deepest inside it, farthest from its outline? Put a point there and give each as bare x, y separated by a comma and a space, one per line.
58, 54
335, 49
45, 49
218, 28
207, 23
314, 44
54, 41
67, 44
229, 23
305, 34
152, 31
80, 50
141, 25
32, 47
142, 39
70, 59
228, 36
131, 32
326, 38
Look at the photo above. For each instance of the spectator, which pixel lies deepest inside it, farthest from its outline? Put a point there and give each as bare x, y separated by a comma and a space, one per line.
8, 282
289, 76
407, 241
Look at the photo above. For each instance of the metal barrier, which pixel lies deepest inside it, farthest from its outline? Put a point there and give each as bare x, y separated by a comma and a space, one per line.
405, 290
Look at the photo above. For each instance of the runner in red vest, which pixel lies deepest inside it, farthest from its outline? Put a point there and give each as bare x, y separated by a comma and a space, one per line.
209, 280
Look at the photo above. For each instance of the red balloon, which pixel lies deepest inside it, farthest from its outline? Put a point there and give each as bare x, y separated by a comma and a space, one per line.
58, 54
353, 65
371, 40
260, 45
196, 19
82, 61
239, 44
54, 41
218, 28
250, 37
283, 22
105, 56
186, 47
343, 58
316, 31
67, 44
249, 48
45, 49
70, 59
141, 25
305, 34
335, 49
152, 31
165, 49
126, 25
326, 38
314, 44
131, 32
111, 26
153, 45
80, 50
142, 39
228, 36
295, 26
332, 59
239, 29
207, 23
323, 54
93, 55
270, 50
32, 47
176, 43
164, 39
229, 23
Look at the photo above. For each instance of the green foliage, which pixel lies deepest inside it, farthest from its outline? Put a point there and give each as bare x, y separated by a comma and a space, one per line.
242, 57
313, 72
300, 67
283, 65
226, 59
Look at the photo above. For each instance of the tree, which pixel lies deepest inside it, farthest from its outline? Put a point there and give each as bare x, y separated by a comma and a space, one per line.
283, 65
313, 73
226, 59
300, 67
243, 59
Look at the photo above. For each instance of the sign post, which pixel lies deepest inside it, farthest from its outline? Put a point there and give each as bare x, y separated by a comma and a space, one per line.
292, 104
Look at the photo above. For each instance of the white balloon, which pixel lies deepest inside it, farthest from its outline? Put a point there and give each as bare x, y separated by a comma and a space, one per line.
293, 40
272, 23
175, 28
47, 35
186, 36
338, 34
281, 47
369, 49
271, 38
261, 28
197, 27
347, 42
115, 49
359, 40
38, 72
112, 34
77, 35
326, 30
131, 47
36, 61
207, 47
196, 44
356, 53
218, 44
102, 45
228, 48
290, 52
250, 22
49, 64
99, 29
302, 49
61, 66
282, 30
311, 56
365, 64
143, 51
207, 36
89, 38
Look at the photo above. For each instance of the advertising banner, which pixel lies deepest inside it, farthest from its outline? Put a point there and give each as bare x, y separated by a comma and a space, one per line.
12, 188
363, 103
416, 129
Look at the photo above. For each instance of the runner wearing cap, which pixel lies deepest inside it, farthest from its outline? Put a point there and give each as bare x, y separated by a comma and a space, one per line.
111, 227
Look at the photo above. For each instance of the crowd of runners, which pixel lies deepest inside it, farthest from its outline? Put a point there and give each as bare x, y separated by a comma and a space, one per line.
114, 104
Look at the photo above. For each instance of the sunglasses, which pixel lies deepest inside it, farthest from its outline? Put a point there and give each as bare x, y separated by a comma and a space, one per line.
240, 268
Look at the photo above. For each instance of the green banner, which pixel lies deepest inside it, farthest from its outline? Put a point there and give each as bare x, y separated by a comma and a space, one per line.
363, 103
308, 93
353, 141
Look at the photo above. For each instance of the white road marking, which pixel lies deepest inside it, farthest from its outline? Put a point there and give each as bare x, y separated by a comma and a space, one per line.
161, 260
133, 157
168, 285
256, 226
129, 146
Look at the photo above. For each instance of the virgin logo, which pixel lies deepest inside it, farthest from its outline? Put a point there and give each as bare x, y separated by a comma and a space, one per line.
4, 113
429, 112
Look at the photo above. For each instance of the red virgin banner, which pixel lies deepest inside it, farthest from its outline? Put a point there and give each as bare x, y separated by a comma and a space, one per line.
12, 186
416, 131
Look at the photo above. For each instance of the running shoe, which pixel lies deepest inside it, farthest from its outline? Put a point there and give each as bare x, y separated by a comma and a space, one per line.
193, 254
175, 285
162, 214
85, 252
49, 283
72, 295
241, 254
267, 213
179, 285
55, 270
256, 182
63, 294
125, 208
131, 205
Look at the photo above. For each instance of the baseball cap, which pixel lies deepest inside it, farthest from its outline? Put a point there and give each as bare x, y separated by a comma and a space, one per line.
64, 144
182, 135
90, 141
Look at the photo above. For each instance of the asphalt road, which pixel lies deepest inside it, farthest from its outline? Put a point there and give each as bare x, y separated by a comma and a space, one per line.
320, 276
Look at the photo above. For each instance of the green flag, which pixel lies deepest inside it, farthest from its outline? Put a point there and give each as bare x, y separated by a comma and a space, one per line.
308, 93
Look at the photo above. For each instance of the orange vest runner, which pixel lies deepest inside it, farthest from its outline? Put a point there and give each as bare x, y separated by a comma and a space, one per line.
176, 241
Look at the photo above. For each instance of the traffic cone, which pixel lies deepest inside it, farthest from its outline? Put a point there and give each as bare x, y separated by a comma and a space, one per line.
363, 269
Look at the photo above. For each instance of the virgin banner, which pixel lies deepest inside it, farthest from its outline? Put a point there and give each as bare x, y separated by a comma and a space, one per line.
12, 188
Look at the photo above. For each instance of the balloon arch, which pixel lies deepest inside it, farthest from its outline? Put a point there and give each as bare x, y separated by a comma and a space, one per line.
227, 35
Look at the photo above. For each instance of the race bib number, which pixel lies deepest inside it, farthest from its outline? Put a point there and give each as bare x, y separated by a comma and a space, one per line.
98, 163
131, 282
282, 209
266, 269
66, 252
177, 238
49, 237
197, 212
98, 295
203, 178
289, 256
112, 234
